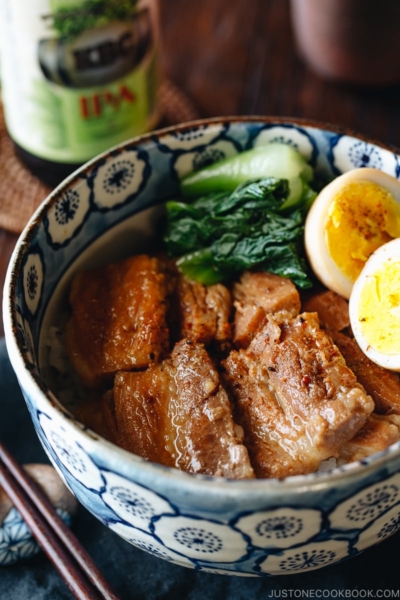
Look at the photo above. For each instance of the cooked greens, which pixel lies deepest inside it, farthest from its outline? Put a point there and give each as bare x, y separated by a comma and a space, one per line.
220, 234
275, 159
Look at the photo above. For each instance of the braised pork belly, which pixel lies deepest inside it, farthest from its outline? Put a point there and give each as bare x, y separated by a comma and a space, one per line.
141, 400
208, 439
255, 295
381, 384
118, 319
311, 379
202, 314
332, 310
230, 382
176, 413
277, 447
297, 400
379, 432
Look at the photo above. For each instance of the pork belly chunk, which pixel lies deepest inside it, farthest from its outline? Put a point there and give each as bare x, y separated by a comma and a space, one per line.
311, 380
381, 384
255, 295
177, 413
208, 439
141, 408
118, 319
296, 399
378, 433
202, 312
277, 447
332, 309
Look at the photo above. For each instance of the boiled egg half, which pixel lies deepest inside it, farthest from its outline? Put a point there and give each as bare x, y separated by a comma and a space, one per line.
351, 217
374, 307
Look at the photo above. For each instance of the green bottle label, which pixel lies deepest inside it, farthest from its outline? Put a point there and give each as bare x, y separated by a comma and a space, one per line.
83, 76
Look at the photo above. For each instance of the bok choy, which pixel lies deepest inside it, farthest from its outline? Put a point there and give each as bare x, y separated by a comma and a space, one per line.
220, 233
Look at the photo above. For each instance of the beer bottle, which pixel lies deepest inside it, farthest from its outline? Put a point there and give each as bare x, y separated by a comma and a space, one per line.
78, 77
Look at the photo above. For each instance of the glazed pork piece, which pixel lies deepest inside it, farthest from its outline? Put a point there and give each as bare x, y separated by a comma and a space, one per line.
255, 295
118, 319
293, 400
202, 313
141, 409
276, 449
208, 440
381, 384
176, 413
311, 380
296, 399
378, 433
332, 309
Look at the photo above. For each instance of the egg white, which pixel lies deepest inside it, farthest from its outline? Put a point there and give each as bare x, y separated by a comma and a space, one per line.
389, 251
320, 260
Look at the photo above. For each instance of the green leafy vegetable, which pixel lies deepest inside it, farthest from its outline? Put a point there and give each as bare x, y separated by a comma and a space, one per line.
221, 234
272, 160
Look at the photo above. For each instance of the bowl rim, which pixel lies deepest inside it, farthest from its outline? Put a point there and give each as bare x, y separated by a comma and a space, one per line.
30, 380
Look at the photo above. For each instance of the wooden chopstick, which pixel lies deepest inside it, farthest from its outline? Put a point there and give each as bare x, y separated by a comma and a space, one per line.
70, 559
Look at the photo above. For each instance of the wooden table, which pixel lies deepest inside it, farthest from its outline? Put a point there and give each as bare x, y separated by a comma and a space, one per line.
237, 57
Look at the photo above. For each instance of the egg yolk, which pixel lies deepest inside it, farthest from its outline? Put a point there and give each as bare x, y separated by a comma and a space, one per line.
362, 217
379, 309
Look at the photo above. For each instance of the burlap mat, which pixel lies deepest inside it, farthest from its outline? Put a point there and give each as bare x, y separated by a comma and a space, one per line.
21, 192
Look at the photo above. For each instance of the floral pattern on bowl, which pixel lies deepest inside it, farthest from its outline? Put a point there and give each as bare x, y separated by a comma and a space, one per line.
193, 136
70, 455
133, 503
350, 153
383, 527
305, 558
361, 509
294, 136
249, 528
186, 162
201, 539
148, 542
119, 180
66, 216
281, 527
33, 274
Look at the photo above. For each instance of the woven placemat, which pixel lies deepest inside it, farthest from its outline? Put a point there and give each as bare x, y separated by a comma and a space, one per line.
21, 192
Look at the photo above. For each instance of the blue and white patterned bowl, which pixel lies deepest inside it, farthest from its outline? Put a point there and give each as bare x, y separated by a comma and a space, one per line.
261, 527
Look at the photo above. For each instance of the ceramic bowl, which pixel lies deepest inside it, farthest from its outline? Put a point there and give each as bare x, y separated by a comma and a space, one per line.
250, 528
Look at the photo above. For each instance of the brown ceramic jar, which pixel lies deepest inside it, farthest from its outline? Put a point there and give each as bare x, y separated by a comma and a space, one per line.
355, 41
